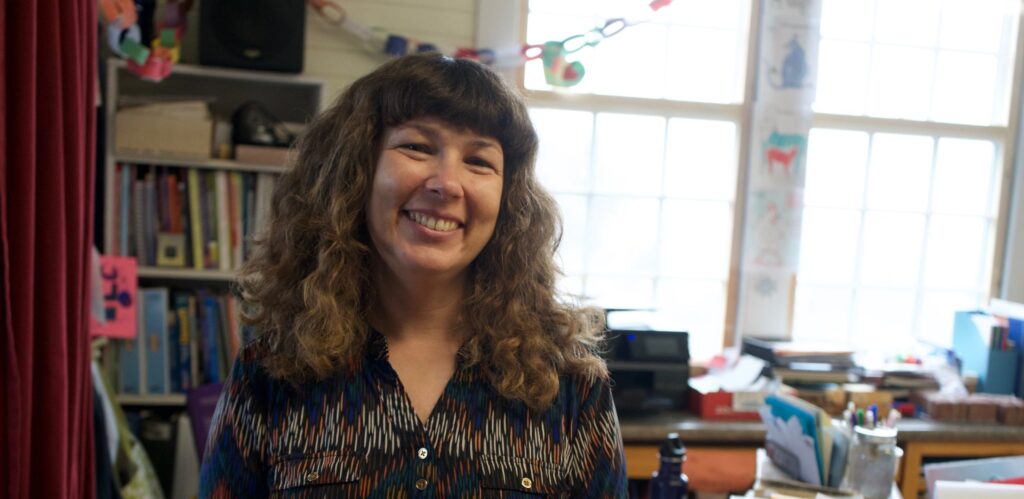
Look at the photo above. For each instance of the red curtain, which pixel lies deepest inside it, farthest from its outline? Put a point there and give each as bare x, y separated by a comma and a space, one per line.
47, 145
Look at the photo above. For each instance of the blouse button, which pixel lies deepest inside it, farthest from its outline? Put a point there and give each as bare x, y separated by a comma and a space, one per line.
421, 484
422, 453
312, 476
527, 483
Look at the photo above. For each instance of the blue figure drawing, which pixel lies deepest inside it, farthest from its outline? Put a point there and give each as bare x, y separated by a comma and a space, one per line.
794, 67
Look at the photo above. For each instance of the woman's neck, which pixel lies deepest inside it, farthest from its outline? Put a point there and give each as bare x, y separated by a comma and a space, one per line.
413, 309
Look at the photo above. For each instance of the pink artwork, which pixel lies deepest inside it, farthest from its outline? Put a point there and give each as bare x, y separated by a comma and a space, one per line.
118, 274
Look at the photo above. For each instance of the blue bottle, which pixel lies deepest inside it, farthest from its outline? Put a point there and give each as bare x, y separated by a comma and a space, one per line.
669, 482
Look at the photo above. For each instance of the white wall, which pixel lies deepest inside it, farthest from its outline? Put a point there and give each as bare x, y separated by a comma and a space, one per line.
334, 56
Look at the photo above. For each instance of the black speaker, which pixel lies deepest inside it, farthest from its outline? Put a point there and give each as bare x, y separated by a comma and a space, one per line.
252, 34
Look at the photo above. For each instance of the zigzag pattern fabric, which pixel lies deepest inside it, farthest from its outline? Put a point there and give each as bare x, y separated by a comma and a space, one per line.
358, 436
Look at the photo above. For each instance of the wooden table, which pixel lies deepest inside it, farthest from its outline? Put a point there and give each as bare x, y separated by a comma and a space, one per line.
721, 456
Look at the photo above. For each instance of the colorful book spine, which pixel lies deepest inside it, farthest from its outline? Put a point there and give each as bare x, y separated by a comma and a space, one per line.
183, 321
195, 219
154, 312
126, 195
209, 320
235, 196
130, 358
223, 220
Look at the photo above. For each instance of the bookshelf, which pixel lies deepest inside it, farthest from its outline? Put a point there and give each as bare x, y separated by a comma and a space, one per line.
147, 199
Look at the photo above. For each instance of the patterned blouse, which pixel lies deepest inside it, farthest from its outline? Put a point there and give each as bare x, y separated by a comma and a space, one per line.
358, 436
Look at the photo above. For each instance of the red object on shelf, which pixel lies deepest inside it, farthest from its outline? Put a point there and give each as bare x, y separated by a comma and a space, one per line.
717, 406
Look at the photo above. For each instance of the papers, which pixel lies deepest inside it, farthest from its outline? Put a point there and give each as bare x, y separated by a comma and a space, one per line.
799, 438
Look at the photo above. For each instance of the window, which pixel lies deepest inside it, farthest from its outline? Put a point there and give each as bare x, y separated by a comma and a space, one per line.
909, 142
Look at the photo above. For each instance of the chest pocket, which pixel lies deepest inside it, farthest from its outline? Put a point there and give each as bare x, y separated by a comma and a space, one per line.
509, 477
315, 470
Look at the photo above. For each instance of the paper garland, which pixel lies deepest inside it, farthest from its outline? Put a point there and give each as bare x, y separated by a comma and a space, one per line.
558, 71
124, 37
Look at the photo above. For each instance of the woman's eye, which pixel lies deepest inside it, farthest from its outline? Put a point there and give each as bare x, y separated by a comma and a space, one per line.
479, 162
421, 148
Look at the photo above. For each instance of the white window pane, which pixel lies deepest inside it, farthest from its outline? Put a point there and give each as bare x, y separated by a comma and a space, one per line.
964, 85
697, 307
708, 13
573, 249
631, 63
900, 82
623, 235
974, 24
884, 320
937, 311
563, 161
956, 246
899, 172
828, 245
836, 162
907, 22
700, 159
822, 313
629, 154
714, 51
619, 292
963, 176
571, 285
842, 77
847, 20
891, 254
696, 238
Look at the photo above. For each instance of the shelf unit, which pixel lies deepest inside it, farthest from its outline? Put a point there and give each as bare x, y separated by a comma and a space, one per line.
290, 98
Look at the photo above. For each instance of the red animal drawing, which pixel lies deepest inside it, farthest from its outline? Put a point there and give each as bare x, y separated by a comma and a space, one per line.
776, 155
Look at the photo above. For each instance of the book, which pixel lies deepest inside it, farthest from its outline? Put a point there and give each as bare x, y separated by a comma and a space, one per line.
185, 340
124, 203
139, 221
154, 312
195, 220
130, 358
224, 252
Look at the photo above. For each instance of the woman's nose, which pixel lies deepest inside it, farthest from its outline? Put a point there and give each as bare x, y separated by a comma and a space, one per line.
445, 180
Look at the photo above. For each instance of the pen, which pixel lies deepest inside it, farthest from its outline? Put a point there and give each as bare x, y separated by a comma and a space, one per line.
869, 419
873, 408
860, 417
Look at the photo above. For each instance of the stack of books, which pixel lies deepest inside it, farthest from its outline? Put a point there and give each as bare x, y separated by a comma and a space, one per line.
804, 363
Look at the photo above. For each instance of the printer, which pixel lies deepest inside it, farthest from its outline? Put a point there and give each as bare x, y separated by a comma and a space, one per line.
650, 368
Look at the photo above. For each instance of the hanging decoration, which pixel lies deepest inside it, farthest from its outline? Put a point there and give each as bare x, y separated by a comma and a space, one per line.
152, 63
558, 70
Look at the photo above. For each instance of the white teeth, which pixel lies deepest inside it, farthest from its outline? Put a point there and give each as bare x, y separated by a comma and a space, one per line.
433, 223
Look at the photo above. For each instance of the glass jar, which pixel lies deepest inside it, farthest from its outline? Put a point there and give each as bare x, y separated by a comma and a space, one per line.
872, 461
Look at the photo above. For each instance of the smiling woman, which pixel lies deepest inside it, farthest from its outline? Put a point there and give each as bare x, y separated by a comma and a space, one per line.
411, 339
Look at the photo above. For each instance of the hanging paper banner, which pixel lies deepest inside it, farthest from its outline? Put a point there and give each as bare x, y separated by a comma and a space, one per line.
152, 63
558, 71
786, 84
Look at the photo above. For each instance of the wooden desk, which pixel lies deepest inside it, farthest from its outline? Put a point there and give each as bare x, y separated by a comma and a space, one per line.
920, 439
721, 456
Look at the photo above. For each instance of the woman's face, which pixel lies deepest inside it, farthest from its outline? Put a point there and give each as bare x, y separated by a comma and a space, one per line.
435, 198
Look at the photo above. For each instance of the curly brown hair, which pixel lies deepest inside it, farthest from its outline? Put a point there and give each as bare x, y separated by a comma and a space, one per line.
310, 283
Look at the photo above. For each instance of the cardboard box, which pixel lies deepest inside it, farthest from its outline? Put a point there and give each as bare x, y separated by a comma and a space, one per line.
262, 155
719, 405
179, 130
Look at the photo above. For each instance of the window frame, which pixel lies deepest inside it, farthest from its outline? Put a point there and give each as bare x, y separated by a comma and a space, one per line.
501, 24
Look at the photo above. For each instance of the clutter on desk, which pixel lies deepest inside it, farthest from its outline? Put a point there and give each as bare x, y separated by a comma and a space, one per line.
732, 393
1001, 470
989, 344
974, 408
855, 454
648, 362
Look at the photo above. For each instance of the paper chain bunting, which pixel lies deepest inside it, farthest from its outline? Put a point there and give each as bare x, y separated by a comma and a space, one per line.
124, 37
558, 71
